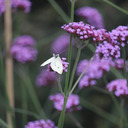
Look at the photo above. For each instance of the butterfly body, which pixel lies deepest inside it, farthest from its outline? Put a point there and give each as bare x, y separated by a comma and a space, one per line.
55, 63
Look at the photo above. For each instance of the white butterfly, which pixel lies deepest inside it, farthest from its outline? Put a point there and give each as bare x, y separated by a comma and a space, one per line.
55, 63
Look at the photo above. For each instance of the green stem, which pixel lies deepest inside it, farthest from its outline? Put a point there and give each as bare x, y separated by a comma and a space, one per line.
59, 85
31, 91
122, 114
70, 50
3, 124
24, 103
86, 104
74, 86
125, 66
75, 121
59, 10
74, 69
62, 115
116, 73
117, 7
17, 110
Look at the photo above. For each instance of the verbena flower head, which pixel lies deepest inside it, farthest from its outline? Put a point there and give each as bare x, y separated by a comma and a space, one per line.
120, 34
23, 49
22, 4
64, 63
92, 16
119, 87
25, 40
107, 50
95, 70
46, 78
41, 124
118, 63
84, 31
2, 7
61, 43
72, 102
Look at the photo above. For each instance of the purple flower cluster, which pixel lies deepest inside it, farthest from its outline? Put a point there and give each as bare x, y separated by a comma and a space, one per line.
2, 7
64, 63
16, 4
84, 32
95, 70
41, 124
72, 102
119, 87
22, 4
106, 50
120, 35
92, 16
46, 78
61, 43
23, 49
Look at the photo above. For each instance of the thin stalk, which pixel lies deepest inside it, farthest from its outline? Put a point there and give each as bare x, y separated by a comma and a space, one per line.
59, 10
62, 115
26, 113
31, 91
74, 68
24, 103
125, 66
100, 90
122, 114
4, 124
9, 61
74, 86
116, 73
59, 85
117, 7
86, 104
115, 101
75, 121
69, 50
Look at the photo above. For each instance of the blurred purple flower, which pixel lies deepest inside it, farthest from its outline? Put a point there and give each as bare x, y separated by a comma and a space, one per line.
25, 40
41, 124
23, 49
118, 86
86, 81
92, 15
95, 70
72, 102
85, 31
2, 7
107, 50
119, 63
120, 34
46, 78
16, 4
61, 44
22, 4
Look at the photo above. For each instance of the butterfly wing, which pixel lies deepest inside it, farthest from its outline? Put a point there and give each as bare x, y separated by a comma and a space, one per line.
57, 66
48, 61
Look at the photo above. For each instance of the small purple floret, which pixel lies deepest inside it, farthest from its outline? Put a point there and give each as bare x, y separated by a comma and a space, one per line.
23, 49
92, 16
72, 102
119, 87
41, 124
46, 78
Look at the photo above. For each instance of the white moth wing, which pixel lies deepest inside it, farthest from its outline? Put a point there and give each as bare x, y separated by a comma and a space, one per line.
57, 66
48, 61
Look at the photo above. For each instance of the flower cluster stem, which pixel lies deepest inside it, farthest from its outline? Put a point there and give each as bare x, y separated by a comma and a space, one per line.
74, 69
62, 115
